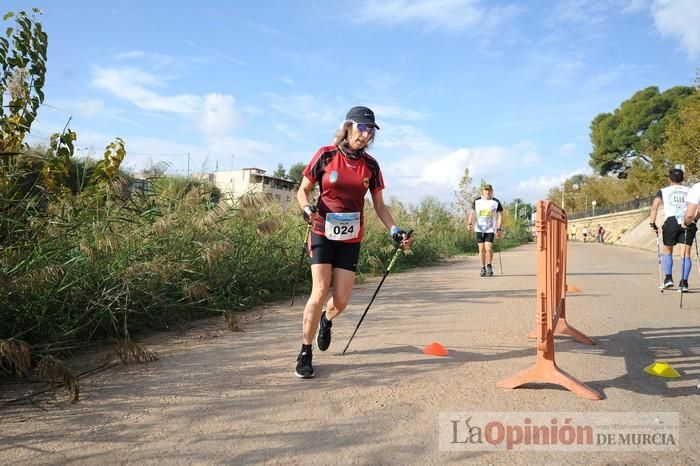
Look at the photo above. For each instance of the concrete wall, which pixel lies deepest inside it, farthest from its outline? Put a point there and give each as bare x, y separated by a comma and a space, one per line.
630, 228
616, 225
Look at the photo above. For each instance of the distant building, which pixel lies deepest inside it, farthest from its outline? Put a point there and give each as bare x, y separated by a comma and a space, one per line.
238, 183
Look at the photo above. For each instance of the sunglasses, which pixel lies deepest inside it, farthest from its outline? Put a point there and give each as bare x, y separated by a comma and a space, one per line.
364, 128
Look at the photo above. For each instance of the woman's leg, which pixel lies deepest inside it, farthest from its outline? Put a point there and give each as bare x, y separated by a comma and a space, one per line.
343, 281
321, 282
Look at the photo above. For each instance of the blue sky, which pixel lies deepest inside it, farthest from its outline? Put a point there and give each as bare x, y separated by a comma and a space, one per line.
505, 88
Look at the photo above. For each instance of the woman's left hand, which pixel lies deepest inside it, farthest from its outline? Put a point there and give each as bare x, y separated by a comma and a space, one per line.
407, 242
401, 238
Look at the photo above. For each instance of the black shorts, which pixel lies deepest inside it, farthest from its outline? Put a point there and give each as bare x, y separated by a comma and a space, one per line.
672, 233
337, 253
484, 237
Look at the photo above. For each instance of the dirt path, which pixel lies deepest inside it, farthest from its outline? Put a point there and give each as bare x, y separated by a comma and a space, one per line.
222, 397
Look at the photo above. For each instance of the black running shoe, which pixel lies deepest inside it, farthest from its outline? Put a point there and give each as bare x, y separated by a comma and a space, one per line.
668, 282
683, 286
489, 270
323, 337
482, 273
304, 368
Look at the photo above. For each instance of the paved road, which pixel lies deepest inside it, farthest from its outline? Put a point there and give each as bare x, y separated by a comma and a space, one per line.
222, 397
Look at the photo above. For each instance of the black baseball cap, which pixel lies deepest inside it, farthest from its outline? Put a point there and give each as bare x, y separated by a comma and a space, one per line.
362, 115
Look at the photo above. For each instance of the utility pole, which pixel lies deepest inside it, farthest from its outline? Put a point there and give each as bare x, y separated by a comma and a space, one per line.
562, 196
232, 157
188, 165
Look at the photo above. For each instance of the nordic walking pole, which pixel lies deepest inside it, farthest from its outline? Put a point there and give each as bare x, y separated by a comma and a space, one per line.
388, 269
697, 254
685, 238
301, 261
500, 261
658, 257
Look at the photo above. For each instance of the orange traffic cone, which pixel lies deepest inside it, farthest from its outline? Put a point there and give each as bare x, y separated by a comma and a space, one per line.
435, 349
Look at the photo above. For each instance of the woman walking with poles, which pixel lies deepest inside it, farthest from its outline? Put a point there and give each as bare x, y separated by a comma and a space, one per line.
344, 172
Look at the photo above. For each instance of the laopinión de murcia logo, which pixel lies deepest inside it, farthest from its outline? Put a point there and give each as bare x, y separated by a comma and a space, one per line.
559, 431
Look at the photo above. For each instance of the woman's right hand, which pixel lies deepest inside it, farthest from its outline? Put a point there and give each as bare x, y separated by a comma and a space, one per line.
310, 214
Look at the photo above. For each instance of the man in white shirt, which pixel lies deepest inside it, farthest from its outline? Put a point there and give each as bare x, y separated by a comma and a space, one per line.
693, 200
674, 198
488, 213
692, 212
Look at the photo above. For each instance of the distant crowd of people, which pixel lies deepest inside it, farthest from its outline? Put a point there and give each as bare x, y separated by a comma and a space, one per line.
600, 234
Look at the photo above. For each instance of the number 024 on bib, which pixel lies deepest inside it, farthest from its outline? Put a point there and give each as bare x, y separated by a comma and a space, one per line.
342, 226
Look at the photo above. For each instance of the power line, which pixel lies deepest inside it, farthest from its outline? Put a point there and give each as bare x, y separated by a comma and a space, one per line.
43, 104
157, 155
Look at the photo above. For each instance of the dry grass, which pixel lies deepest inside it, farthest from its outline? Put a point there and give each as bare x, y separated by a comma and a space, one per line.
130, 352
216, 251
57, 372
268, 226
39, 278
15, 357
232, 322
195, 291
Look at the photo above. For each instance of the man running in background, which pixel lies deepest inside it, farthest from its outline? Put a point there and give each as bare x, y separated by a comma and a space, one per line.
674, 230
488, 213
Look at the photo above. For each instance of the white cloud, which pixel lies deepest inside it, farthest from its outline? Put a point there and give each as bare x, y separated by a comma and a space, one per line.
566, 150
602, 79
88, 107
218, 117
454, 15
287, 80
426, 168
580, 11
133, 85
156, 60
397, 113
563, 73
558, 69
142, 152
537, 187
410, 141
80, 109
636, 6
291, 133
381, 81
251, 110
216, 59
129, 55
214, 115
681, 19
304, 107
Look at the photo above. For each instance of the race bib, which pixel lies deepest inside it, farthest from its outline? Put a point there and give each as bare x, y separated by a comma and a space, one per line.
340, 227
485, 218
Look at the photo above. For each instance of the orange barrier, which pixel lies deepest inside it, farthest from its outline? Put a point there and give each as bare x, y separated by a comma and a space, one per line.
551, 306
